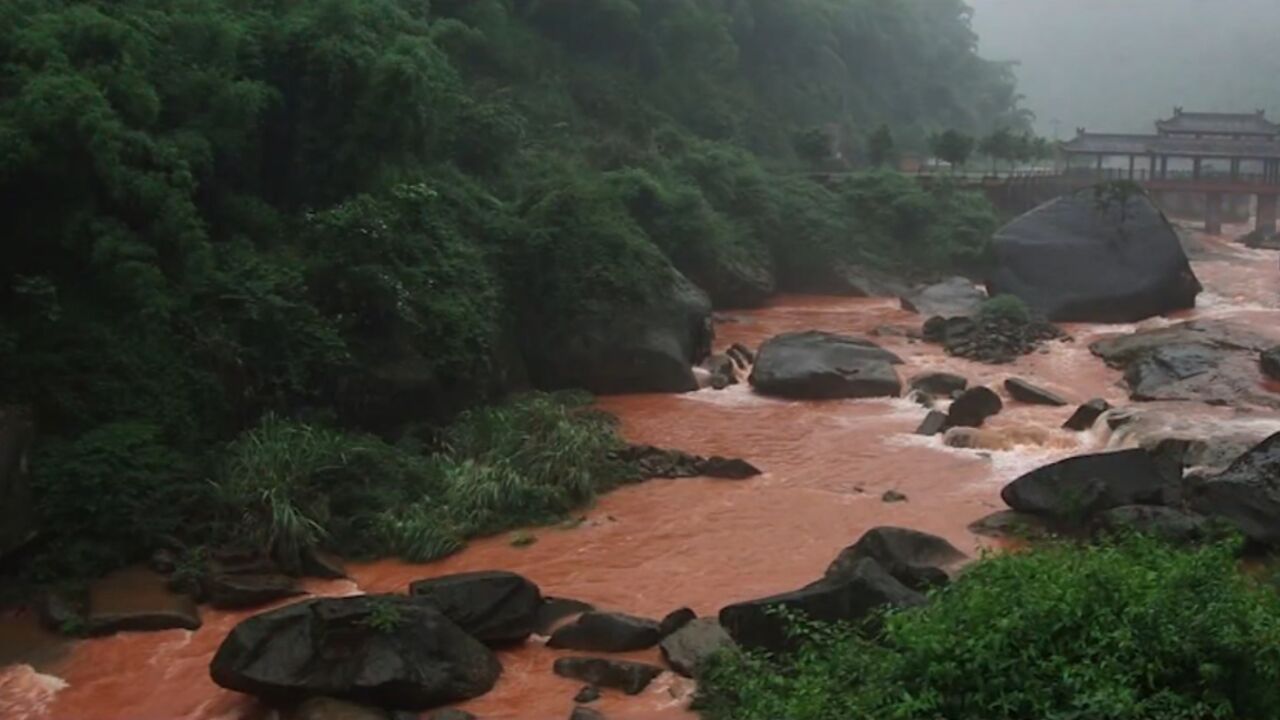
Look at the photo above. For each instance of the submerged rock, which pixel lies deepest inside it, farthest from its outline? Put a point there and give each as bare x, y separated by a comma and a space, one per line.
916, 559
1094, 256
852, 596
495, 607
607, 632
820, 365
1073, 490
388, 651
629, 677
1023, 391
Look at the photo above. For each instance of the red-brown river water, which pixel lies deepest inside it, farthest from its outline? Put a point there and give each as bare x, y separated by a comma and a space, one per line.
650, 548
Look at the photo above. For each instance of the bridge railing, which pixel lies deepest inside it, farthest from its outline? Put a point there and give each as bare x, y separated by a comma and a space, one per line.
1143, 175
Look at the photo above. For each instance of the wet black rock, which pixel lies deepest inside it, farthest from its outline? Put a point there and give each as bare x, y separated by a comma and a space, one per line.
1269, 361
237, 592
992, 340
692, 645
495, 607
629, 677
652, 462
553, 610
1023, 391
675, 620
955, 296
1073, 490
387, 651
606, 632
939, 384
973, 407
1094, 256
934, 423
1246, 494
741, 355
893, 496
586, 713
588, 694
916, 559
820, 365
853, 596
1086, 415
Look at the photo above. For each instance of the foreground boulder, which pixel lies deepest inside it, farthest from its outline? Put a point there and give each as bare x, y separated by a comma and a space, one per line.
1071, 491
16, 510
1096, 255
607, 632
635, 347
915, 559
497, 608
859, 590
1208, 361
973, 407
688, 648
629, 677
386, 651
1246, 494
954, 297
820, 365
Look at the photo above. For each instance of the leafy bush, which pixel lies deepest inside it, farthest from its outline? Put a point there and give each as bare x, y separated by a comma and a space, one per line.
1131, 631
1005, 307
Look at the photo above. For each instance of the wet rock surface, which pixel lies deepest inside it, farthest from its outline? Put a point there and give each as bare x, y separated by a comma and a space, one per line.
1071, 491
653, 462
497, 608
629, 677
819, 365
955, 296
973, 407
1096, 255
991, 340
1024, 391
915, 559
692, 645
1086, 415
607, 632
939, 384
1246, 494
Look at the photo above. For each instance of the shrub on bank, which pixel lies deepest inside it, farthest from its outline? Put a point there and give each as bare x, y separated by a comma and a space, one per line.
288, 487
1131, 631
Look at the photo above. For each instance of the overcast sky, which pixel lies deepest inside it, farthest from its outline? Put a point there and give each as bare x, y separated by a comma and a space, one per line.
1117, 65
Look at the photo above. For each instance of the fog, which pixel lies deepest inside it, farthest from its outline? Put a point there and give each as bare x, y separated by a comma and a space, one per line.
1117, 65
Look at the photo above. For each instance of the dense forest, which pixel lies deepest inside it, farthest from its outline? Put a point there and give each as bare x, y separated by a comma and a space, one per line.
255, 246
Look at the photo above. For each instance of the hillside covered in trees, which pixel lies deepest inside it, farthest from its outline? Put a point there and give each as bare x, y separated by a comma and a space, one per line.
366, 216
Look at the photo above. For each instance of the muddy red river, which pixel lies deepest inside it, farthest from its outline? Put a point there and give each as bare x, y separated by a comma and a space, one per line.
650, 548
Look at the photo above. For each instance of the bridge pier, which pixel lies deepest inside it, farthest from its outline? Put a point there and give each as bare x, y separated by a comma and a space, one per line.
1267, 213
1213, 213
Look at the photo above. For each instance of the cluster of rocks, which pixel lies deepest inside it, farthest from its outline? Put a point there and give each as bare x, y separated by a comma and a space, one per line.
1211, 361
435, 646
650, 462
993, 340
723, 369
1149, 492
972, 406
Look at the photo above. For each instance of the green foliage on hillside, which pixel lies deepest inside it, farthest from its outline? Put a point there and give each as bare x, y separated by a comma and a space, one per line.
372, 212
1131, 631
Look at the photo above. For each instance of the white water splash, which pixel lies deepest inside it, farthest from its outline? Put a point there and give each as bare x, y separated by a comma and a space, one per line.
26, 694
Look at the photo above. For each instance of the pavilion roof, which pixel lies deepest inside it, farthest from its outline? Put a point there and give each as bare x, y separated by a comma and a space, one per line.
1211, 147
1208, 123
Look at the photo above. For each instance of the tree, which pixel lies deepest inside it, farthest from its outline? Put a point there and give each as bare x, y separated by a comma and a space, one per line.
880, 149
952, 146
1001, 144
812, 145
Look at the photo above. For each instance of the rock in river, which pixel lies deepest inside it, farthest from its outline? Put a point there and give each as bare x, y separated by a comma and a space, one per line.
629, 677
1073, 490
1246, 494
495, 607
1096, 255
688, 648
1023, 391
917, 560
387, 651
607, 632
953, 297
1086, 415
973, 407
820, 365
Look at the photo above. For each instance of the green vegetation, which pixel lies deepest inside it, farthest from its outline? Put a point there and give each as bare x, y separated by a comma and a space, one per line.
1130, 631
1005, 307
253, 246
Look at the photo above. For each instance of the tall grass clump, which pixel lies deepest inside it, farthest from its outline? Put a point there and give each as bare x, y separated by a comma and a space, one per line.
1134, 630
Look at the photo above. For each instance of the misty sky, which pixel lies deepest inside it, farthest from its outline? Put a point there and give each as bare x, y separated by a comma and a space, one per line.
1115, 65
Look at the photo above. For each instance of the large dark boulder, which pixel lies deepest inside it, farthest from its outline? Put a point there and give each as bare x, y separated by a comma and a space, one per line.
16, 511
1094, 256
1209, 361
973, 407
629, 677
821, 365
1246, 494
607, 632
917, 560
495, 607
852, 596
635, 347
1073, 490
386, 651
954, 297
